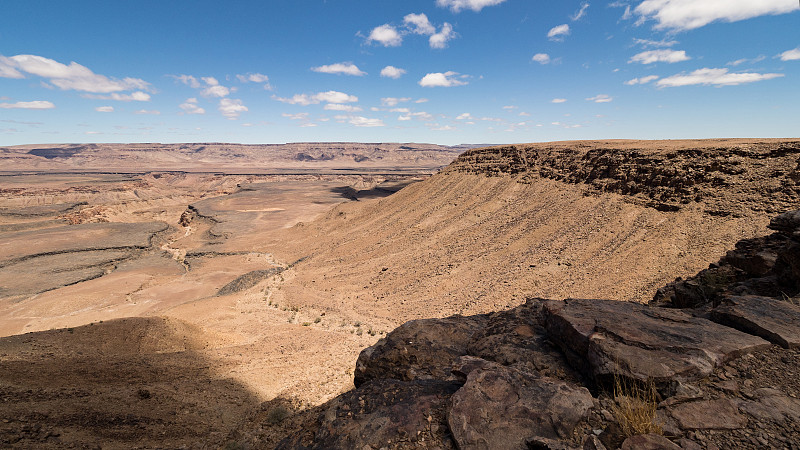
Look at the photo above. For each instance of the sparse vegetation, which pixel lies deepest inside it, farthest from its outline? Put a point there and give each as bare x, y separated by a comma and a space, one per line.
277, 415
635, 405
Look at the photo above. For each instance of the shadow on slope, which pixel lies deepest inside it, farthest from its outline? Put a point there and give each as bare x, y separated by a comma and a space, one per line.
136, 381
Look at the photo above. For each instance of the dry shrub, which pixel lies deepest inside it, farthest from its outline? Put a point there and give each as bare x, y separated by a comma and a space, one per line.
635, 405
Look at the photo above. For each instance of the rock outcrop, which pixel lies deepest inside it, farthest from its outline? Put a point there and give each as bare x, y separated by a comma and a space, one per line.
726, 177
558, 374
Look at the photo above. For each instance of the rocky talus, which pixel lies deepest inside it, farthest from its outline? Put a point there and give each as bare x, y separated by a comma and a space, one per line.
712, 363
727, 177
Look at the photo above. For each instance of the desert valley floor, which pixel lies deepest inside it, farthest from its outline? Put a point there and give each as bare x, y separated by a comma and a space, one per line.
166, 307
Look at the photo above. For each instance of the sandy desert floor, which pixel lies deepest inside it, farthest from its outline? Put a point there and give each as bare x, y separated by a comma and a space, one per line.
134, 319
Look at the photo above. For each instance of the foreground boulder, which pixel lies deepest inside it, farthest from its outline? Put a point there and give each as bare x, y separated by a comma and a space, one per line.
528, 406
636, 341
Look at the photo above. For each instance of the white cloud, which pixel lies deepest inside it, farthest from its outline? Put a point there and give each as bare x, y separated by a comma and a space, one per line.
524, 114
668, 56
360, 121
404, 118
691, 14
393, 101
558, 33
581, 13
104, 109
746, 60
650, 43
437, 127
298, 116
187, 80
438, 79
558, 100
67, 77
715, 77
419, 24
214, 89
132, 97
439, 40
255, 78
475, 5
314, 99
392, 72
400, 110
340, 107
510, 107
340, 68
421, 100
151, 112
642, 80
231, 108
36, 104
465, 116
601, 98
8, 68
791, 55
387, 35
190, 107
542, 58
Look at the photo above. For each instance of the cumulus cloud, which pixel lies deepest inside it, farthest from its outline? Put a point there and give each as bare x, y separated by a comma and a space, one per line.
392, 72
393, 101
255, 78
190, 107
340, 68
36, 104
386, 35
558, 100
360, 121
557, 33
790, 55
419, 24
320, 97
132, 97
542, 58
104, 109
341, 107
642, 80
152, 112
231, 108
668, 56
465, 116
581, 13
298, 116
438, 79
475, 5
690, 14
188, 80
650, 43
715, 77
66, 77
439, 40
600, 98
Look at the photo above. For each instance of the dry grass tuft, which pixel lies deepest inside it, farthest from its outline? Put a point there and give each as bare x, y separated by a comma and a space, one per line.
635, 407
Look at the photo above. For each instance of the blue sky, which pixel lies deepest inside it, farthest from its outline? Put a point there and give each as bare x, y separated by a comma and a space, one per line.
439, 71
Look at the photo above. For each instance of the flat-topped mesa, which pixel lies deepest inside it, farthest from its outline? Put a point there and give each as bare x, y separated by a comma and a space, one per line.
727, 177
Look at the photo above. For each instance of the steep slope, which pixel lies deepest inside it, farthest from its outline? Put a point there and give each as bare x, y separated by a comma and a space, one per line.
577, 219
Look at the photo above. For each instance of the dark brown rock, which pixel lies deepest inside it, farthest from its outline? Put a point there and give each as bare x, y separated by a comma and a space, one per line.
774, 320
592, 442
516, 338
504, 408
419, 349
771, 404
719, 414
642, 342
649, 442
385, 414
